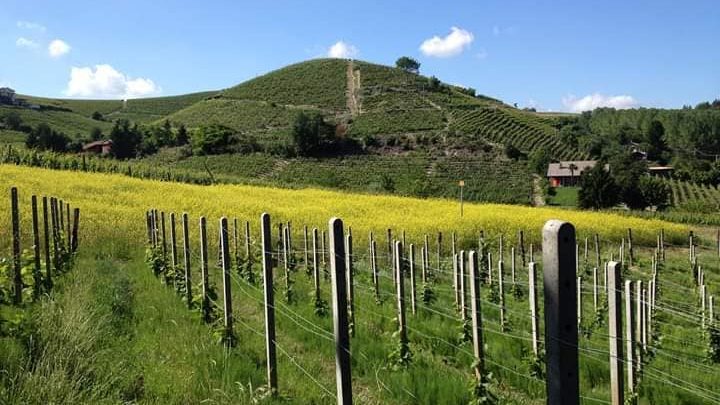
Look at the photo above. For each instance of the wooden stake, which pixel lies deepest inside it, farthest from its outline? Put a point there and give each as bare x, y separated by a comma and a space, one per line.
37, 276
46, 245
227, 297
17, 262
173, 242
376, 280
205, 305
350, 276
340, 315
186, 258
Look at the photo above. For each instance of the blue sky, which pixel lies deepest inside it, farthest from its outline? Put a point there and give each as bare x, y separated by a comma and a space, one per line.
559, 55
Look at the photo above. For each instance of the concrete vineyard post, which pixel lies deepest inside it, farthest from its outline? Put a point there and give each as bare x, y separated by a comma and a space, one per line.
644, 320
512, 267
37, 276
17, 264
46, 245
461, 283
597, 250
456, 282
186, 257
490, 269
376, 280
711, 310
501, 290
631, 253
350, 276
205, 304
340, 312
662, 243
390, 250
227, 297
323, 255
426, 250
399, 269
595, 289
638, 324
453, 244
630, 366
702, 306
521, 243
532, 295
476, 309
236, 241
269, 302
579, 301
316, 265
439, 251
532, 253
423, 269
413, 305
615, 334
561, 334
306, 254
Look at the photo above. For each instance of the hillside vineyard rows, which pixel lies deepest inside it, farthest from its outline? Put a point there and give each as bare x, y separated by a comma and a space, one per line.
435, 361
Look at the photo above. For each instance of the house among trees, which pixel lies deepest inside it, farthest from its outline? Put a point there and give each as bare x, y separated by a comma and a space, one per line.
567, 173
98, 147
7, 96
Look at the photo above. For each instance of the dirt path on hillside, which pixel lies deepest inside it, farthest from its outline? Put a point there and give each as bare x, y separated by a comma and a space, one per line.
353, 90
538, 199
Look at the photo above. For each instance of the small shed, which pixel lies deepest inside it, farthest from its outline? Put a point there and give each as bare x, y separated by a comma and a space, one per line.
98, 147
567, 173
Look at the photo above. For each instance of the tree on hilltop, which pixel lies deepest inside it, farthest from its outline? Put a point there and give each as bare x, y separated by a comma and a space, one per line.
408, 64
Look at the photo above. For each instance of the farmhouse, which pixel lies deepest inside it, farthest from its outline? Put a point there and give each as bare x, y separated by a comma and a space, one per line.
567, 173
99, 147
7, 96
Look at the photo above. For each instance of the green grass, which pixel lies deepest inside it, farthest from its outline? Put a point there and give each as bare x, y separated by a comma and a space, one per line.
111, 332
564, 197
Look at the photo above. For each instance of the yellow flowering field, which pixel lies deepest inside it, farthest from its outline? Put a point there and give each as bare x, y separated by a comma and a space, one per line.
113, 206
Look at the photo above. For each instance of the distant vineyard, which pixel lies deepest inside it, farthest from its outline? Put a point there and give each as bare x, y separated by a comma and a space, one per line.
684, 193
503, 126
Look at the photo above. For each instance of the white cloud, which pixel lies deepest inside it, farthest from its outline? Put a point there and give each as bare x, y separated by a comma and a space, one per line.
58, 48
23, 42
341, 49
451, 45
105, 82
597, 100
28, 25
